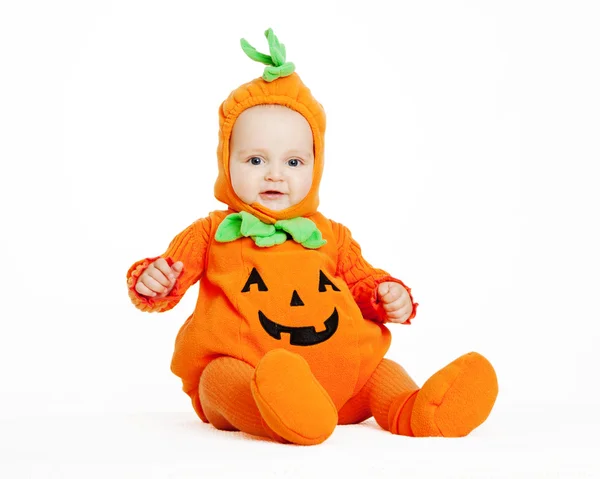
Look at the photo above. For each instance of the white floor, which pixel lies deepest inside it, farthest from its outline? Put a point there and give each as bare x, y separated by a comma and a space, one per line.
517, 441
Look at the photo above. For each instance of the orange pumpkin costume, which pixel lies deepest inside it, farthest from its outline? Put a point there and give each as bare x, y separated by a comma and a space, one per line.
288, 341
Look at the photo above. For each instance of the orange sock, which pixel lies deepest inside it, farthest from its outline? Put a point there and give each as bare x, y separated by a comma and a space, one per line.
388, 388
452, 403
390, 383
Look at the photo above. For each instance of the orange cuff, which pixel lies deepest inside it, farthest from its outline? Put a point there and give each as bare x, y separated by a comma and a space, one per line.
146, 303
377, 306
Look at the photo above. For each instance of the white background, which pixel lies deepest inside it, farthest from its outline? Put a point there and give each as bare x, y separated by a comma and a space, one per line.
462, 151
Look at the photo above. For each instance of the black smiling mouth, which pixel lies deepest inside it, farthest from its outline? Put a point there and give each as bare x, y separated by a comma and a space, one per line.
301, 336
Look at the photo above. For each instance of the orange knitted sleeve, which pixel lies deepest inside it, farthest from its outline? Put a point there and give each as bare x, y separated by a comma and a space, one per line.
362, 278
189, 246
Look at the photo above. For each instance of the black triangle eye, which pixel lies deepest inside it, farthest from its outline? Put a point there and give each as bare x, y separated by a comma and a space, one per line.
325, 281
254, 278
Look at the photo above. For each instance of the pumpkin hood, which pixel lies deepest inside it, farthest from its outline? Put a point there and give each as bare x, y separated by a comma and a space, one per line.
279, 85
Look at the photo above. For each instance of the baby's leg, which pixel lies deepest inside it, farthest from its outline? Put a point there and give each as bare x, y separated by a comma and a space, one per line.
451, 403
227, 399
280, 398
388, 388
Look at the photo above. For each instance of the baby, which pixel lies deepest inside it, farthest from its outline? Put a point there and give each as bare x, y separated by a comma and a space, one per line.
288, 335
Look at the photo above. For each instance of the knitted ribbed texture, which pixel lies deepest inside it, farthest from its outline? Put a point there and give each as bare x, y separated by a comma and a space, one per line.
451, 403
362, 278
388, 382
189, 246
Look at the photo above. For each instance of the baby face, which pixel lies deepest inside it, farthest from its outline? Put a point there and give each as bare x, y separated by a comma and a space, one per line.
271, 156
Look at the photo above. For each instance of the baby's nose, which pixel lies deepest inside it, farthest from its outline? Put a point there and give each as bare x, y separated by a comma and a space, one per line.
274, 173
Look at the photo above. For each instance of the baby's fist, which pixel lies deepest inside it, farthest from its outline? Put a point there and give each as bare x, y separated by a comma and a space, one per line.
395, 300
158, 279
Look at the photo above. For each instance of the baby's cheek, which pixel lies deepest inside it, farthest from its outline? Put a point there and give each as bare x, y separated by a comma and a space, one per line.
245, 189
304, 182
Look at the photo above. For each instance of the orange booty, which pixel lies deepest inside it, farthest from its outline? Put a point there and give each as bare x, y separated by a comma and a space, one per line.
456, 399
291, 400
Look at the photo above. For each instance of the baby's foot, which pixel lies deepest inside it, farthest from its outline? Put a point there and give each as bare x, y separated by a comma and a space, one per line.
452, 402
290, 399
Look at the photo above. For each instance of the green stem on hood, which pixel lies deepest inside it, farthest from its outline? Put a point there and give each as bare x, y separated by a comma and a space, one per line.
276, 67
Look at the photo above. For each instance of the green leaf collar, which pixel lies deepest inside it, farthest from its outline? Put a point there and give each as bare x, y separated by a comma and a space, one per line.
243, 224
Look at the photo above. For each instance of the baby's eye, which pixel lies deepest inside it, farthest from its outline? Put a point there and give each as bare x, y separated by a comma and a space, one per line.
294, 162
255, 160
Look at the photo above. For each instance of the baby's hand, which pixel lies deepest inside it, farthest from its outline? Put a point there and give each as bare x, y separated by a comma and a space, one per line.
396, 301
159, 278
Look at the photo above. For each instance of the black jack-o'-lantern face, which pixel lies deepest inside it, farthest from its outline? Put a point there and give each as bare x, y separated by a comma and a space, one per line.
299, 335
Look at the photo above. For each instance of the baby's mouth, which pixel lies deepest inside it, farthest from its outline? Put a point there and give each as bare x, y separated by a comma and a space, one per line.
271, 194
